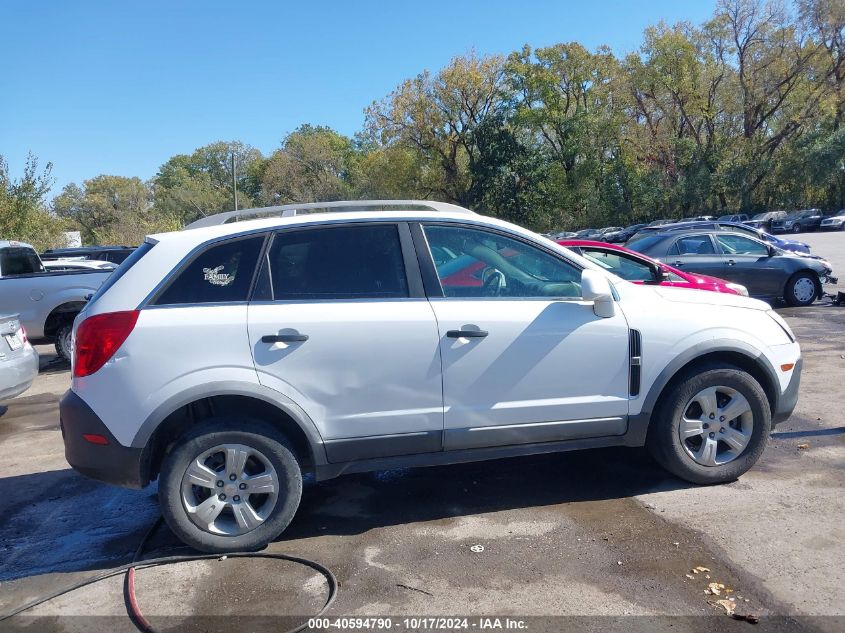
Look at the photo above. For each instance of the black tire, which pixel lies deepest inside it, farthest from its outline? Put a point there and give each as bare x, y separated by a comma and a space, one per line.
664, 442
789, 289
63, 341
216, 431
796, 228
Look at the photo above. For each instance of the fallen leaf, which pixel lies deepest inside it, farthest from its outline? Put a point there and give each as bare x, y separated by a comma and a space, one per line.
690, 576
700, 568
714, 588
728, 606
803, 447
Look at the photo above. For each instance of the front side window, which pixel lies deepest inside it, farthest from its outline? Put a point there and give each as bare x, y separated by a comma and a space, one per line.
620, 264
340, 262
693, 245
490, 265
221, 274
738, 245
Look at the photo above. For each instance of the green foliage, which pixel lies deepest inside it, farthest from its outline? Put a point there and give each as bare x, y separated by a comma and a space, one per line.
23, 211
111, 210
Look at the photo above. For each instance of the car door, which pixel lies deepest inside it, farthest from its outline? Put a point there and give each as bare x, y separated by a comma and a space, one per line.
748, 262
339, 324
525, 359
696, 253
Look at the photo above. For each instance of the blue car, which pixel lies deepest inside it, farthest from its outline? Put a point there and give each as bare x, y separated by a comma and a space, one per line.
736, 227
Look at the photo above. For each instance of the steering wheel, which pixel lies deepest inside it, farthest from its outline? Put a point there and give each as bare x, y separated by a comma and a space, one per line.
493, 282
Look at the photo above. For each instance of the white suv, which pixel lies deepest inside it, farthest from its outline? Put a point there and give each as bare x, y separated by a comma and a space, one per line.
233, 358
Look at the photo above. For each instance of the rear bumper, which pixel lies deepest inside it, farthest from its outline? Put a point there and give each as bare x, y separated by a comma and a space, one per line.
787, 400
17, 374
112, 463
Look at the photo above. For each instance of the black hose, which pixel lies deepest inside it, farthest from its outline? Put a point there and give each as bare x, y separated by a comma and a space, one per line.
167, 560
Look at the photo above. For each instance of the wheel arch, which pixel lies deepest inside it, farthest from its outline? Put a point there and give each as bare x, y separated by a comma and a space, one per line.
176, 416
735, 353
59, 315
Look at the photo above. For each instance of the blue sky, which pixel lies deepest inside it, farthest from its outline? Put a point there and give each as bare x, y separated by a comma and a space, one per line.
118, 87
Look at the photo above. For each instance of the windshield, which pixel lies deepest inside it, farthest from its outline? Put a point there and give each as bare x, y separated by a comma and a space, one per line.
795, 214
761, 216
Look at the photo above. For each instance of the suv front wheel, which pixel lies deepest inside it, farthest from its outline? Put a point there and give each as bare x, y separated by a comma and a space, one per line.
224, 490
711, 425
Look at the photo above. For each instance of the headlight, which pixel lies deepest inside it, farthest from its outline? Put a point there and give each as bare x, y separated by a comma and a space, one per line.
783, 324
738, 288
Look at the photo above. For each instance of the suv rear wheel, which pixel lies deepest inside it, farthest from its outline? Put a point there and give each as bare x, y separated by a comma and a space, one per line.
711, 426
233, 484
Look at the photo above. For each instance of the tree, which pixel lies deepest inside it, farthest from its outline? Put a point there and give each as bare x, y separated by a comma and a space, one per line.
313, 165
436, 116
23, 211
111, 210
188, 187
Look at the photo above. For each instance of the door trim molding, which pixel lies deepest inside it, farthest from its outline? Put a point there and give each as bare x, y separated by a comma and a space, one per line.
533, 433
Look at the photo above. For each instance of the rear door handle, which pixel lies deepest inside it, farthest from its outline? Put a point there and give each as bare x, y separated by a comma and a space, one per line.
731, 262
284, 338
679, 263
466, 333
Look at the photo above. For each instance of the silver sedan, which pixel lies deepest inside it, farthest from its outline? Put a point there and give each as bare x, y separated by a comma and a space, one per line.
18, 359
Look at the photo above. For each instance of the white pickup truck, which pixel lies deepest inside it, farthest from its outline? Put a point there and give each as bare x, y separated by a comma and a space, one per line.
47, 302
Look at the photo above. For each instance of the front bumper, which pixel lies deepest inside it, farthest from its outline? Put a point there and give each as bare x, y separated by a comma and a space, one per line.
112, 463
787, 400
17, 374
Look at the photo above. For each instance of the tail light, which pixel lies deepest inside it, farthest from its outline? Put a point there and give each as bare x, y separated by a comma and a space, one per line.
24, 339
97, 339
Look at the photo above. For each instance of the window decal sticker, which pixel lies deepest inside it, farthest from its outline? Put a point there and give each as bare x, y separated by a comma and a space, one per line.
216, 278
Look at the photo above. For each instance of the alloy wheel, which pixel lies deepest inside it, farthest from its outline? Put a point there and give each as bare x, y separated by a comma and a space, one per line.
230, 489
716, 426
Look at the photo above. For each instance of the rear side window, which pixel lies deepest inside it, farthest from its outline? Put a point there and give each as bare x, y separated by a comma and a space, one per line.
221, 274
341, 262
693, 245
19, 261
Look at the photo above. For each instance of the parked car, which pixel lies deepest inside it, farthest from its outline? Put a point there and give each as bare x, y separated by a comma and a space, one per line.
319, 364
53, 265
782, 243
764, 220
768, 272
621, 235
698, 218
834, 222
661, 222
639, 269
583, 234
798, 222
733, 217
18, 359
47, 302
114, 254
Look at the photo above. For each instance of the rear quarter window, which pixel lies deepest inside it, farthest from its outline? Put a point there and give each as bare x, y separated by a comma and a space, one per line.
222, 273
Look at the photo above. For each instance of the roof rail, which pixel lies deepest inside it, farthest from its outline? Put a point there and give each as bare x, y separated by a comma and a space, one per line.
290, 210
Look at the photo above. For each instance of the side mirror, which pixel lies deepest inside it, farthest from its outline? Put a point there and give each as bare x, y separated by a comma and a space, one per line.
661, 274
596, 288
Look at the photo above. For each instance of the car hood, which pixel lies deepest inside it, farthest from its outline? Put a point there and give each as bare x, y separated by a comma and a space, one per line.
691, 295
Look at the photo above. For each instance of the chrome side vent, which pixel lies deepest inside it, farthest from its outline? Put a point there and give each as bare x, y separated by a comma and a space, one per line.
635, 350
